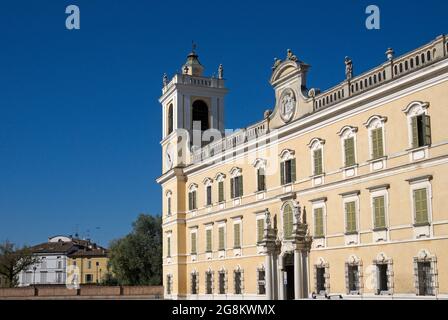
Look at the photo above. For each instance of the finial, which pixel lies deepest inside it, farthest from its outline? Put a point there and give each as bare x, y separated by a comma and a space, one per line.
193, 46
291, 56
165, 80
348, 68
390, 54
220, 72
276, 63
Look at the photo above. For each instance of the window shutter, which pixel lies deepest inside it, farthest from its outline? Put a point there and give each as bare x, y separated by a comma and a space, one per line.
350, 209
190, 201
240, 187
293, 170
282, 173
380, 143
261, 180
318, 222
221, 191
209, 195
193, 243
379, 209
209, 240
414, 127
236, 235
421, 206
377, 143
232, 188
221, 239
318, 162
349, 146
260, 230
427, 128
194, 201
168, 246
287, 222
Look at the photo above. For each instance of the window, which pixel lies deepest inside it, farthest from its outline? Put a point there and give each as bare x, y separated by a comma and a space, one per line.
209, 195
194, 243
261, 283
89, 264
419, 124
192, 204
194, 283
208, 234
379, 212
318, 167
43, 277
421, 206
424, 279
319, 222
169, 284
287, 221
236, 187
168, 203
237, 274
260, 230
59, 277
168, 246
89, 278
350, 217
377, 143
421, 131
43, 263
170, 119
353, 279
58, 263
320, 280
209, 282
426, 275
383, 285
200, 115
288, 171
222, 282
261, 179
221, 191
349, 152
221, 235
237, 235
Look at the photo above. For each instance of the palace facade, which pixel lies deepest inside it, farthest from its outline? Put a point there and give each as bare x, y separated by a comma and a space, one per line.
341, 192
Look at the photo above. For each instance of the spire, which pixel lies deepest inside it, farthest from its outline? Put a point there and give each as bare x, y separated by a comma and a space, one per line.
193, 67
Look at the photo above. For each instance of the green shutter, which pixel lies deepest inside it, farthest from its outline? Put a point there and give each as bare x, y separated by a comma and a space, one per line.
221, 239
427, 128
190, 201
232, 188
349, 147
282, 173
260, 230
240, 186
194, 201
193, 243
377, 143
319, 222
414, 125
293, 170
287, 222
421, 206
168, 240
350, 212
318, 170
380, 212
261, 180
236, 235
221, 191
209, 240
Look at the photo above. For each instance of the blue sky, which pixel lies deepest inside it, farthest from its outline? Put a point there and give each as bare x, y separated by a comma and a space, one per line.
80, 123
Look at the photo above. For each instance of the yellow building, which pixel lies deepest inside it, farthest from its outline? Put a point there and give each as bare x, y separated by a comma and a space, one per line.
344, 192
92, 263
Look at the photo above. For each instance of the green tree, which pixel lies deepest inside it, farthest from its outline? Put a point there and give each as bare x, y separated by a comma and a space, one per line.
14, 260
136, 259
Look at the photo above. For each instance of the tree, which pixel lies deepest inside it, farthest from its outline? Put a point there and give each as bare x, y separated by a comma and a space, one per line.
136, 259
14, 260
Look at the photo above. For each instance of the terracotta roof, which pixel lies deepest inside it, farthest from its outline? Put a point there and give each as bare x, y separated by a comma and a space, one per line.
54, 247
89, 252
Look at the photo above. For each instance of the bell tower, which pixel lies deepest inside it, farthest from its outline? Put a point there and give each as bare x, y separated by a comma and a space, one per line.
192, 104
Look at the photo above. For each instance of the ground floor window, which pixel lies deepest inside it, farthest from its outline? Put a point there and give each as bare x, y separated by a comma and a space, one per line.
194, 283
320, 280
353, 276
237, 276
209, 282
426, 277
169, 284
261, 281
353, 279
222, 282
89, 278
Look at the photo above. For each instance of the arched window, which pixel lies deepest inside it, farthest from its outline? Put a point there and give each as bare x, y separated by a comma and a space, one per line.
170, 119
200, 114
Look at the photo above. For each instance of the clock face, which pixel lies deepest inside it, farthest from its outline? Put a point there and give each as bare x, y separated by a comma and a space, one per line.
169, 157
287, 105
